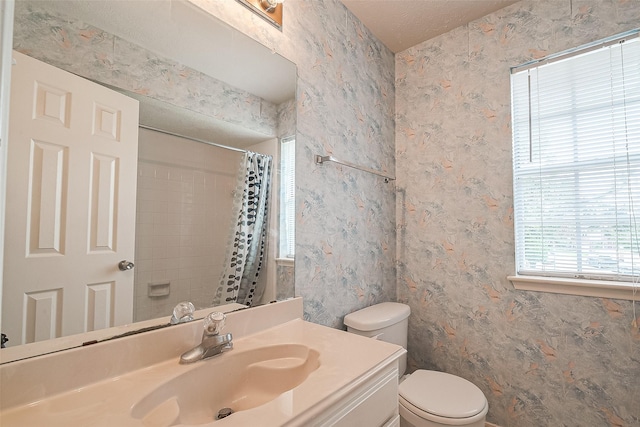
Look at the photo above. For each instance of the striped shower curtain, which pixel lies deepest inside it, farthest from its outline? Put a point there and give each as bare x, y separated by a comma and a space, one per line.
247, 246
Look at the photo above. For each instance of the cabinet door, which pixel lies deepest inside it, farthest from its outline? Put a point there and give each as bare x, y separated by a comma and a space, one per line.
373, 404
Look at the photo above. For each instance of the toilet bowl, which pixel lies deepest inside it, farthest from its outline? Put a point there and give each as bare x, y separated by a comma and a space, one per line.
425, 398
431, 398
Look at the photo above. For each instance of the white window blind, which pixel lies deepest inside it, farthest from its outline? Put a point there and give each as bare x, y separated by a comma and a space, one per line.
576, 160
287, 197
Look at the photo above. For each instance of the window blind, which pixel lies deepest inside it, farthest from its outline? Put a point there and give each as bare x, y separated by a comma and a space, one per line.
576, 163
287, 199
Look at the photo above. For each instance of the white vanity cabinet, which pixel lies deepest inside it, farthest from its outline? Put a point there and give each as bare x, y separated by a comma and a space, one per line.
342, 379
373, 402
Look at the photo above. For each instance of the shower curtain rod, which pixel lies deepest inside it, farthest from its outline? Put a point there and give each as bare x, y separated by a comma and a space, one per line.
192, 139
321, 159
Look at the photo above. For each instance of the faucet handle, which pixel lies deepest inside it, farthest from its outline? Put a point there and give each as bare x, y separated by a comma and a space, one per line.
214, 322
183, 312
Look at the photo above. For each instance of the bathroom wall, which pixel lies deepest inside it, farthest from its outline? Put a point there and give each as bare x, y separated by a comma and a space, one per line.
184, 214
345, 235
541, 359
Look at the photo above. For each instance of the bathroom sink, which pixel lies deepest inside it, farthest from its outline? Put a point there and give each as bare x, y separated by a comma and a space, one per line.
238, 380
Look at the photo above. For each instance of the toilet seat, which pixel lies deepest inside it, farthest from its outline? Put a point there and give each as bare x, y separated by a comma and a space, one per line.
442, 397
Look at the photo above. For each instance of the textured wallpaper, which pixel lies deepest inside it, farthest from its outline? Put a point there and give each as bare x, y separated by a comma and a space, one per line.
541, 359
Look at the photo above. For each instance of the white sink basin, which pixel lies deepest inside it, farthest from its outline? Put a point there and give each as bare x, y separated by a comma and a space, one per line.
238, 380
290, 374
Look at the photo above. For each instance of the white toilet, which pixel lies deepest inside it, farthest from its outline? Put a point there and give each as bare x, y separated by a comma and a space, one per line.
426, 398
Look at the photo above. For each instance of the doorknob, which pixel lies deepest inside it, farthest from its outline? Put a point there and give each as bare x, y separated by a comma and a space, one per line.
125, 265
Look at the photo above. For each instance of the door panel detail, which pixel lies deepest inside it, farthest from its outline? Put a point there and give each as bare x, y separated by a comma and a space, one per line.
47, 198
100, 303
106, 122
42, 315
52, 104
104, 187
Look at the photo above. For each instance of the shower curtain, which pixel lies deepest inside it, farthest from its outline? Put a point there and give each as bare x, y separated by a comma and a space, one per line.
247, 245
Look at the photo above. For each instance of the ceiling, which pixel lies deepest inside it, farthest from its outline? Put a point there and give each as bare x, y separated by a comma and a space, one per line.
401, 24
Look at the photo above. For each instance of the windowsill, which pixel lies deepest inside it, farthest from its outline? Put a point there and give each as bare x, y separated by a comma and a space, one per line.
285, 262
590, 288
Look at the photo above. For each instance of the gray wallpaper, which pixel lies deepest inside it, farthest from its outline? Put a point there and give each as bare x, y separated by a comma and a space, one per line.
541, 359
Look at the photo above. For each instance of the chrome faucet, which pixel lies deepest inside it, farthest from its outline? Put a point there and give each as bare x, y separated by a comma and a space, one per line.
212, 342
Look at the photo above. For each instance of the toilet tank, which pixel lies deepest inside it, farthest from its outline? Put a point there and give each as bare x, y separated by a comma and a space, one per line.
387, 321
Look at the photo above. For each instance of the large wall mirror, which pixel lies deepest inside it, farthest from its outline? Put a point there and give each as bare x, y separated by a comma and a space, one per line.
215, 135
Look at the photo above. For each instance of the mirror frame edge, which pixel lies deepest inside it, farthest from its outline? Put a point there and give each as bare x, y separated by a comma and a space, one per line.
6, 47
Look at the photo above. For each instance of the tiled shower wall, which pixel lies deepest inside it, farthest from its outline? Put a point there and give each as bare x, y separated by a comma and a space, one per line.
185, 197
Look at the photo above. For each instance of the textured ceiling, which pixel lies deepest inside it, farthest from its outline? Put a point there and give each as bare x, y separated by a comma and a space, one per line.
400, 24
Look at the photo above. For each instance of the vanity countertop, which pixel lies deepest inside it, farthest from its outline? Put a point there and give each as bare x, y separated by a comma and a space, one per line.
346, 361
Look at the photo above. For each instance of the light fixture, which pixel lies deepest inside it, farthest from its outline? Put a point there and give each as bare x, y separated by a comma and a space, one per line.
269, 10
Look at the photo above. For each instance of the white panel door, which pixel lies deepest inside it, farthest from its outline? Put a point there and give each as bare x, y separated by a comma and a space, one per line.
71, 195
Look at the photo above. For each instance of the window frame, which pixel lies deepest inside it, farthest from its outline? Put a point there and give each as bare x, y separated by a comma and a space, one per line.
557, 282
285, 258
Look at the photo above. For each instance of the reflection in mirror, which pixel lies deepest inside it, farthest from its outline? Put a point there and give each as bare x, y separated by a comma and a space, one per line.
208, 136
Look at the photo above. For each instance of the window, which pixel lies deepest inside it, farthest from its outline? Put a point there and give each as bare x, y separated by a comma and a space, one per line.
287, 197
576, 161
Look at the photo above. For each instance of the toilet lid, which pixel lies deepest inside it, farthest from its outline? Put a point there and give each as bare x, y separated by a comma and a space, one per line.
442, 394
